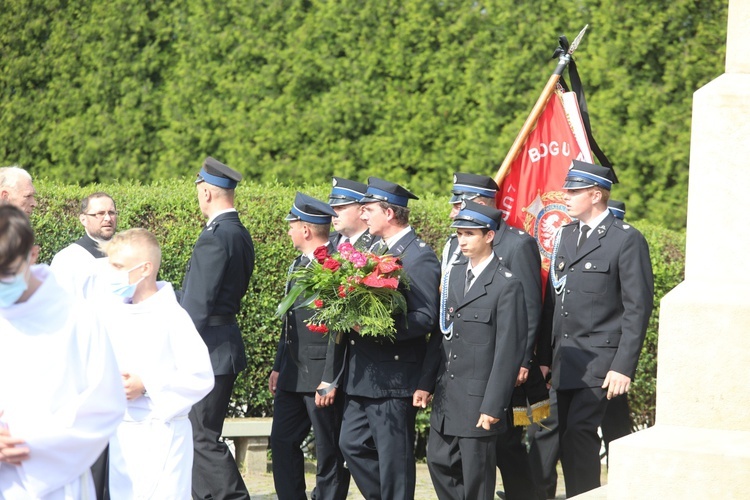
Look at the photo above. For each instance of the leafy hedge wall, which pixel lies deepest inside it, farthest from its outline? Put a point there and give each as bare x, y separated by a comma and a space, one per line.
297, 90
170, 210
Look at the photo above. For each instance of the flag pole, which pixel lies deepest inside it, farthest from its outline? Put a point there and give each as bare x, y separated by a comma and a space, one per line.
538, 108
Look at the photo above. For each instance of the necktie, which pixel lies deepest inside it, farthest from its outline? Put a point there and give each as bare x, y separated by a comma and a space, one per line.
379, 248
584, 235
469, 279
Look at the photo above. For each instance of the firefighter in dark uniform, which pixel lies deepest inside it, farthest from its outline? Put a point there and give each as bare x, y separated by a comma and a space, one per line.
348, 224
602, 289
305, 377
519, 253
480, 358
217, 278
377, 434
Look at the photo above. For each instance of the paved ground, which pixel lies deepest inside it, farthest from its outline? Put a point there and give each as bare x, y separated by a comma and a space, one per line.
261, 485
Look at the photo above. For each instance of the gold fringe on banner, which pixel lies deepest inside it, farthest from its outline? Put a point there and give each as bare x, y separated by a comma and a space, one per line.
539, 411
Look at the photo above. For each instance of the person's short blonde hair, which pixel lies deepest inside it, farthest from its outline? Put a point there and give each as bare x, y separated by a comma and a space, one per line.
138, 238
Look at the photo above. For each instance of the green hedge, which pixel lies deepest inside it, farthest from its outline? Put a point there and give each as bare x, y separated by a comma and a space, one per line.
297, 90
170, 210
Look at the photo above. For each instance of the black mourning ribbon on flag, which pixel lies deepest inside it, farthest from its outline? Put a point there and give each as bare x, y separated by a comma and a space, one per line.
577, 87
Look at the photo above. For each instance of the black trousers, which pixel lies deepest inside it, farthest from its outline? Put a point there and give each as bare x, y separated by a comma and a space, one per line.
513, 462
100, 473
616, 422
462, 468
544, 451
215, 474
377, 440
293, 415
581, 412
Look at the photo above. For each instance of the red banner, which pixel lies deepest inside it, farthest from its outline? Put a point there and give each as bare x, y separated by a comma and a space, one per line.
531, 195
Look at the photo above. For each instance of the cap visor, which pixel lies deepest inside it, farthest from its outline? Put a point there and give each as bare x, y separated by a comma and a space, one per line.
467, 224
577, 185
337, 202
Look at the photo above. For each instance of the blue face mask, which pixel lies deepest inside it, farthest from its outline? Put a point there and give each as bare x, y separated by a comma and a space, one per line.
11, 291
120, 283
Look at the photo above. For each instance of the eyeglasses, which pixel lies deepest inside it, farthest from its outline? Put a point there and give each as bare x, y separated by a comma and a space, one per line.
101, 215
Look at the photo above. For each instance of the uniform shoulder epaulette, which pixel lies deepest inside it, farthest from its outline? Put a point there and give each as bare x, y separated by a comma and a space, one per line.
504, 271
624, 226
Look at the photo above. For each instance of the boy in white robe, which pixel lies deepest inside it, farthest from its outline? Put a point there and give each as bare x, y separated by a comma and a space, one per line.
59, 402
165, 370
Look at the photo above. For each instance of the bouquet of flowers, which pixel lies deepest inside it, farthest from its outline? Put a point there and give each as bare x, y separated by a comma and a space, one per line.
349, 290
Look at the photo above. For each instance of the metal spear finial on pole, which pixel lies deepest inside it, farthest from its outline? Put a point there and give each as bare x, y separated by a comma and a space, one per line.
564, 55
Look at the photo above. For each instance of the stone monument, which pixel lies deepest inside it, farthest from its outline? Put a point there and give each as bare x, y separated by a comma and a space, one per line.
700, 445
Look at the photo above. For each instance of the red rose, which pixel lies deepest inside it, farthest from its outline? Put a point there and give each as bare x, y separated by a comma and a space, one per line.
321, 253
342, 291
317, 328
332, 264
318, 303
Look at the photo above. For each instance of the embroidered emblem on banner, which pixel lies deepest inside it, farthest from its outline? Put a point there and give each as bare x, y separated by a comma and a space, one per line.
544, 216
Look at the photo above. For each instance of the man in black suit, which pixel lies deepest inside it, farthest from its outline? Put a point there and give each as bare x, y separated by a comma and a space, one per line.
480, 358
217, 278
377, 435
304, 378
348, 223
603, 292
518, 252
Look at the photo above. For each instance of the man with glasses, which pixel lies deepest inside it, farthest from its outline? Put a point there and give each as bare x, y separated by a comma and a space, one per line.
217, 278
56, 420
75, 268
75, 264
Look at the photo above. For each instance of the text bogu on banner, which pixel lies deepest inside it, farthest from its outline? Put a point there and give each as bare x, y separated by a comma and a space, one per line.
531, 195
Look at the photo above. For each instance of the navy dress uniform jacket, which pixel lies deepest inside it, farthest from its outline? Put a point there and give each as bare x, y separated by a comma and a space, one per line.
217, 278
519, 253
382, 368
600, 318
480, 362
